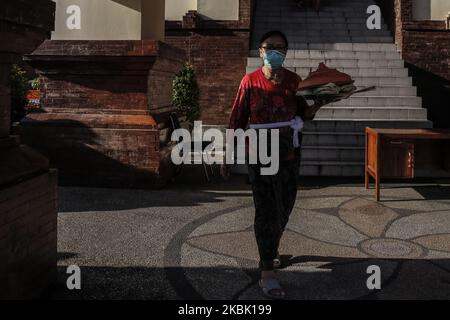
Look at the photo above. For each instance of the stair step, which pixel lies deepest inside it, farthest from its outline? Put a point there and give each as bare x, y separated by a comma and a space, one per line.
353, 72
329, 19
320, 168
347, 105
310, 23
385, 91
302, 43
334, 63
377, 101
358, 55
388, 92
372, 113
309, 34
336, 139
303, 26
362, 72
346, 47
332, 125
334, 143
332, 54
378, 47
383, 81
332, 168
351, 154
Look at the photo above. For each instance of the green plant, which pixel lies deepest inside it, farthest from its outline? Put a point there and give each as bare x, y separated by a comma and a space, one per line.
186, 93
19, 87
35, 83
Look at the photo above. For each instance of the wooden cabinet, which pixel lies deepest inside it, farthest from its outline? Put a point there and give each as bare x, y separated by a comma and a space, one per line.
399, 153
399, 157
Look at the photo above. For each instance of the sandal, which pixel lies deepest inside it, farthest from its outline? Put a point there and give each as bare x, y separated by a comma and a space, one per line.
270, 285
277, 261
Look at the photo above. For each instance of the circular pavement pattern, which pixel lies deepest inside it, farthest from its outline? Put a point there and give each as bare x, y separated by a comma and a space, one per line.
392, 248
326, 250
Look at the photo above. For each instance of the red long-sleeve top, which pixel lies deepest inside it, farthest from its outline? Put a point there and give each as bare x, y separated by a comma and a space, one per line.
260, 101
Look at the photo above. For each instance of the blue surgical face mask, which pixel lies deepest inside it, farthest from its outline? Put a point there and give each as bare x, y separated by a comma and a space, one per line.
274, 59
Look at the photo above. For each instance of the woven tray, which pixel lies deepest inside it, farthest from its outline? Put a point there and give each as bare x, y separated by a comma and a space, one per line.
336, 97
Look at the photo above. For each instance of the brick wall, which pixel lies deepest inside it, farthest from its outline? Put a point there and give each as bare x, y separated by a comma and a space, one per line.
429, 51
218, 50
28, 212
425, 47
219, 62
28, 237
424, 44
39, 14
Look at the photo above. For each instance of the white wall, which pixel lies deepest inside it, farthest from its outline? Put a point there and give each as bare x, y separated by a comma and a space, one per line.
111, 20
176, 9
100, 20
430, 9
440, 9
219, 9
209, 9
421, 9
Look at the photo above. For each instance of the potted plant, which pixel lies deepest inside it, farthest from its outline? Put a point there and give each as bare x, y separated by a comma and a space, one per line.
186, 93
19, 86
34, 95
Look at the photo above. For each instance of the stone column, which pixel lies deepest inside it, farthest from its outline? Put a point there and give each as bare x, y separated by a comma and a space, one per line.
28, 211
153, 19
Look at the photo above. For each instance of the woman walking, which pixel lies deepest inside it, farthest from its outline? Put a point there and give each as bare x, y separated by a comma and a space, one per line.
268, 96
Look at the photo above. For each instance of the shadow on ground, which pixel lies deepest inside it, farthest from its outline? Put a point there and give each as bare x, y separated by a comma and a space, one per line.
335, 278
195, 190
187, 190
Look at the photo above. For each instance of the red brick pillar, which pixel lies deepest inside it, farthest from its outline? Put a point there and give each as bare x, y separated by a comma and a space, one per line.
403, 15
423, 43
105, 111
28, 212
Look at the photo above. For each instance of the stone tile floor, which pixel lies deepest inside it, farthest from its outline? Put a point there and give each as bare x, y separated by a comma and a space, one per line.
195, 241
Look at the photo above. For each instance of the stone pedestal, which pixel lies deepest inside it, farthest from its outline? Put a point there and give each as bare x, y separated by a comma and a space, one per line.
28, 212
105, 109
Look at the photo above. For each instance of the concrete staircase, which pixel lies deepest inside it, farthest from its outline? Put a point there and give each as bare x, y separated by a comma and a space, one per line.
333, 143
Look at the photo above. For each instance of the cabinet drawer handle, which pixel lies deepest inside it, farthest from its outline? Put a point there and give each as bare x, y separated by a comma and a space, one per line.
396, 142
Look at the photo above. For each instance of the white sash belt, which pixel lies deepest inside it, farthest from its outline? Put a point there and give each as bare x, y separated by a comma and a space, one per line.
296, 124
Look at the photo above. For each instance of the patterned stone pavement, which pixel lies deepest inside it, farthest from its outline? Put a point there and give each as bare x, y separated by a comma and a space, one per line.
198, 243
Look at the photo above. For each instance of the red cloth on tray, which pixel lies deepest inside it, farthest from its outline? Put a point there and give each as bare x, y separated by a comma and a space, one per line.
324, 75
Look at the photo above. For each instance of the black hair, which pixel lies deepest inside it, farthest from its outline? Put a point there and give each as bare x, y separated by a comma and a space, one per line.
272, 33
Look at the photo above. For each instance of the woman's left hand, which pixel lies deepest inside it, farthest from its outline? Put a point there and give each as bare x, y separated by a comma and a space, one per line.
320, 103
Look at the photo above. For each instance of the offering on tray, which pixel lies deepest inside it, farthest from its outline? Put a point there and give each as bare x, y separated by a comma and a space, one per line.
328, 84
